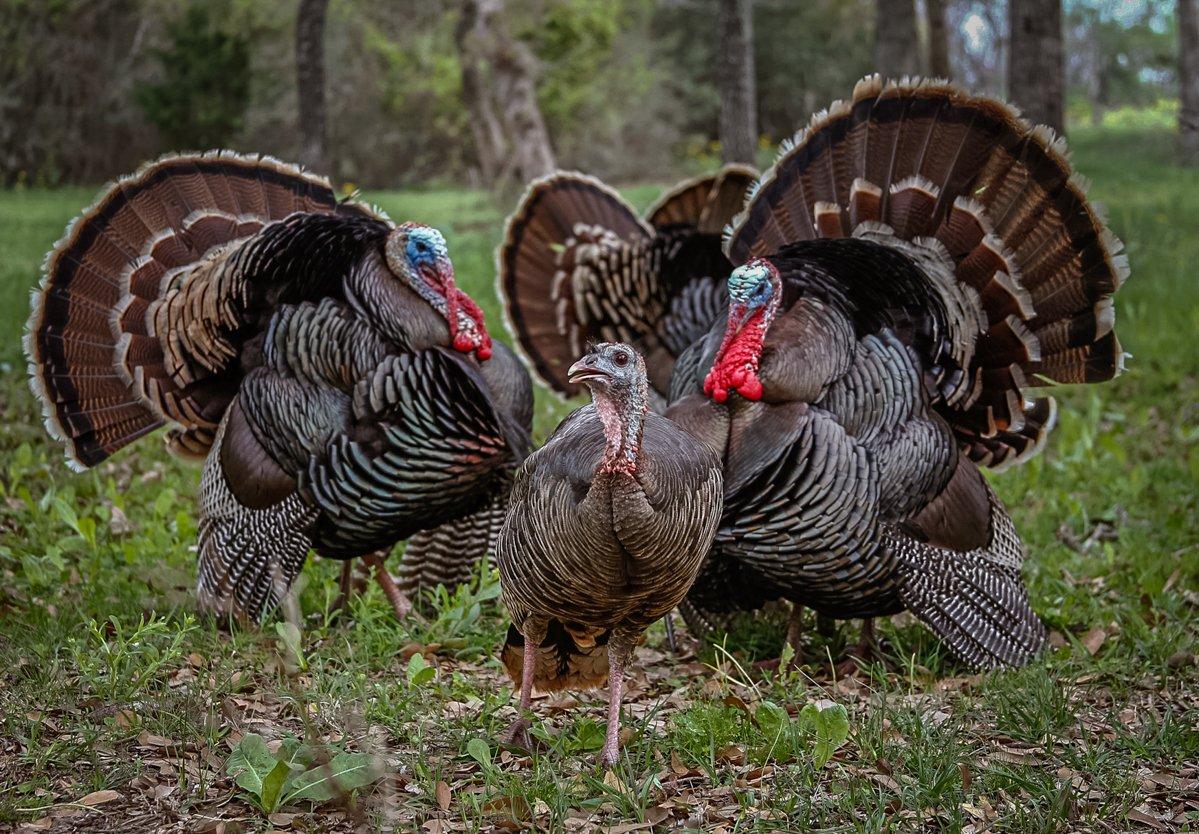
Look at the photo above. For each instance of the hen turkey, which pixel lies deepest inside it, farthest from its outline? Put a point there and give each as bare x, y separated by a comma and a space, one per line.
917, 259
579, 266
606, 528
343, 392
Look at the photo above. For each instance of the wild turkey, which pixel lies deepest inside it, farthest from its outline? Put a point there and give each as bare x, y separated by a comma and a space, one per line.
606, 528
887, 366
342, 390
578, 266
916, 259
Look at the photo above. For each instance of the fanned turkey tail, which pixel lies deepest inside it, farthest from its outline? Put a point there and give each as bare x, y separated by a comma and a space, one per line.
564, 660
991, 209
578, 265
119, 341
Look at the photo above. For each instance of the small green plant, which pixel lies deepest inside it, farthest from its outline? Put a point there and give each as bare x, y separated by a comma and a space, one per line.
296, 772
120, 661
824, 727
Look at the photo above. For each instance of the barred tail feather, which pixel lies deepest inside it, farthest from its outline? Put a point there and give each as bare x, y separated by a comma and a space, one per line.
972, 597
96, 358
448, 555
248, 557
562, 663
926, 163
557, 214
705, 204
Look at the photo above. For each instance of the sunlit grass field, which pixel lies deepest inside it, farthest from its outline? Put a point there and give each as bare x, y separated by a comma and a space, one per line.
120, 711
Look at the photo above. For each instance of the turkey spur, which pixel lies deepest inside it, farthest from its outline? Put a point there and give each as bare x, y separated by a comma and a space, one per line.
343, 392
606, 528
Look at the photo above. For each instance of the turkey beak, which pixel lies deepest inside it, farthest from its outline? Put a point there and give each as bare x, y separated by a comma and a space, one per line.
584, 371
439, 274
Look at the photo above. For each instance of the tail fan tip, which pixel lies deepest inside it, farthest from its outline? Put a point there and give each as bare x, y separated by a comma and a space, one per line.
924, 162
87, 294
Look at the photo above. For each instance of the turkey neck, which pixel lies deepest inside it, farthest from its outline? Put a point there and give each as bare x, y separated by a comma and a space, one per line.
623, 418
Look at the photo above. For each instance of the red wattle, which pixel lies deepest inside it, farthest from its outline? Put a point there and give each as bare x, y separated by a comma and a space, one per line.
736, 364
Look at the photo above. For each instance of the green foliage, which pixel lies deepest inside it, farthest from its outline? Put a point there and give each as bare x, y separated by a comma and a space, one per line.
296, 772
201, 99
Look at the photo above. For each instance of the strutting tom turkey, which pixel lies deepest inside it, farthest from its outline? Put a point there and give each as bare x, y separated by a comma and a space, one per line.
606, 528
343, 392
579, 266
917, 261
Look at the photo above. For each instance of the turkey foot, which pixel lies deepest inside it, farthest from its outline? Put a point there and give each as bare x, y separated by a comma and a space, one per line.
864, 651
400, 603
517, 734
794, 640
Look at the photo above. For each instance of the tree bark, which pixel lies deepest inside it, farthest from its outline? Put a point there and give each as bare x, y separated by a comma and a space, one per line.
938, 40
896, 47
498, 86
485, 125
1188, 82
1035, 65
310, 83
738, 87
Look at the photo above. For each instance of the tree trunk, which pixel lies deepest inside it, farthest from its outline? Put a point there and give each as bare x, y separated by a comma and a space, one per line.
498, 86
896, 47
1035, 71
738, 88
938, 40
1188, 82
310, 83
485, 126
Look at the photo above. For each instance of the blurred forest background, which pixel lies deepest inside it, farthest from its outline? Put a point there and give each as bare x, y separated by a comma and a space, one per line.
492, 92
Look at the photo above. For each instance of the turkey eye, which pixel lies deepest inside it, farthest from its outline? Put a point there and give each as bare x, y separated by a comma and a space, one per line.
621, 359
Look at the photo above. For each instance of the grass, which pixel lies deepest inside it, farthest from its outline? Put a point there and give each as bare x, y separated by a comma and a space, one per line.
109, 685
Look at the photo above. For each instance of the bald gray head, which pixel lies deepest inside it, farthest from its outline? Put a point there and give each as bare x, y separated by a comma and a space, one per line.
615, 374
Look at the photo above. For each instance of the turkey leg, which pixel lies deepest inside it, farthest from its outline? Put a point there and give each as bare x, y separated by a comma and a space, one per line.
668, 621
619, 652
864, 651
518, 733
400, 604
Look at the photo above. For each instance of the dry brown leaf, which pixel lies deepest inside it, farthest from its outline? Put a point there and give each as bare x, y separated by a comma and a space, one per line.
99, 798
676, 764
886, 781
442, 792
1145, 818
733, 754
1093, 640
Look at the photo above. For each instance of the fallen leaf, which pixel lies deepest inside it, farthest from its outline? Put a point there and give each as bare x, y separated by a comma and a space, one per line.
442, 792
1093, 640
1137, 815
733, 754
99, 798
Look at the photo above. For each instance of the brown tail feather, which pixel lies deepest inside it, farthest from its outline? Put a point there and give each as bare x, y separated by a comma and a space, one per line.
532, 279
561, 662
706, 203
95, 361
926, 158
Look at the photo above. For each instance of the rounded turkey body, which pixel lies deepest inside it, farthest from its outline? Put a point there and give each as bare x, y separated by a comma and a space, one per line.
608, 549
342, 390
